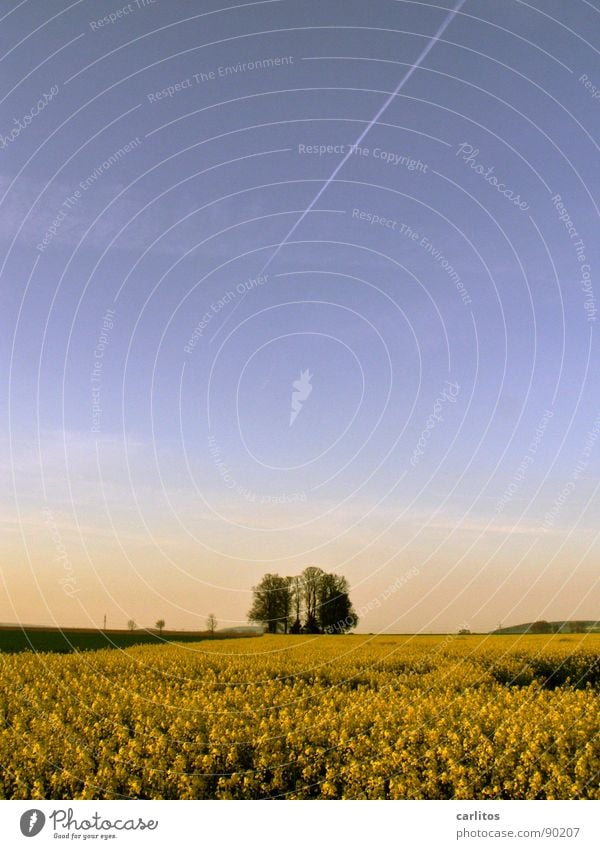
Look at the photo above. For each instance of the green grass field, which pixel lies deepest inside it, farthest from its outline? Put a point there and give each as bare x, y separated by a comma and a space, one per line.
64, 641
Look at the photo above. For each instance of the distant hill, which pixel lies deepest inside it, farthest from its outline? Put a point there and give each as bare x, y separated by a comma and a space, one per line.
569, 626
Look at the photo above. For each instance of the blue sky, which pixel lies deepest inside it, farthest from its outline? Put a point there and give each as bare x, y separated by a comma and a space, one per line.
151, 369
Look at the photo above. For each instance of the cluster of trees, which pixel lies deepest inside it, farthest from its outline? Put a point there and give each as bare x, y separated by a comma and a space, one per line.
314, 602
211, 624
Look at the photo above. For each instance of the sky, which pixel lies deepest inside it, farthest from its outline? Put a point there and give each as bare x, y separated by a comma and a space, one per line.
234, 341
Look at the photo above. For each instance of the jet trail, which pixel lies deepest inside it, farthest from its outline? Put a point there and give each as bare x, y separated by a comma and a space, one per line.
428, 47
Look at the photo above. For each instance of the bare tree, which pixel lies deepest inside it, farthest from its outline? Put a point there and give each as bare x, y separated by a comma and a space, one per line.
131, 626
160, 625
211, 623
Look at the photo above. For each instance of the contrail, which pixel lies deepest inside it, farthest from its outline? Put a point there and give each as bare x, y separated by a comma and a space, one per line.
428, 47
448, 20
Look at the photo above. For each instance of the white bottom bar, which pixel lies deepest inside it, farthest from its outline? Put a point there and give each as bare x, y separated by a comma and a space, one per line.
301, 824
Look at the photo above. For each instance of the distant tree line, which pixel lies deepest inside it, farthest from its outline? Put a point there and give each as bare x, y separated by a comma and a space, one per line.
314, 602
574, 626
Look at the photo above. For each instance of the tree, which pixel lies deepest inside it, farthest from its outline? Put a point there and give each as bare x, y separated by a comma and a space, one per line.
296, 590
311, 580
336, 614
211, 623
278, 603
272, 603
160, 625
286, 595
131, 625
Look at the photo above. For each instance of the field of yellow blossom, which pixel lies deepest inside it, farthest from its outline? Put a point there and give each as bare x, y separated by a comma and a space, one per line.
327, 717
